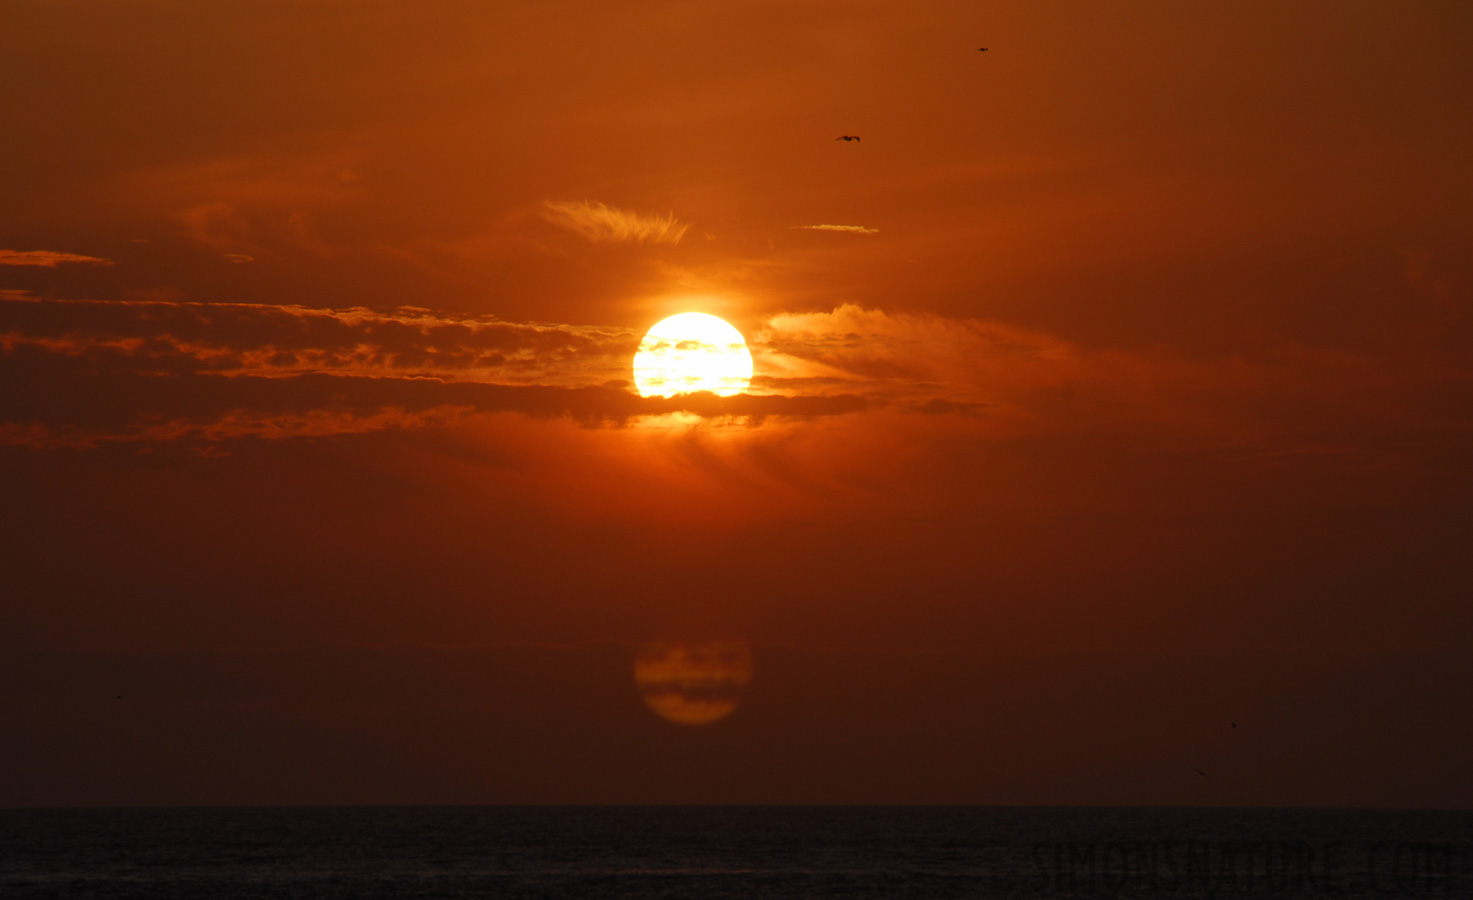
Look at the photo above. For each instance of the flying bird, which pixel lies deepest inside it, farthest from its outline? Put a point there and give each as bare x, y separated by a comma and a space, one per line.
982, 49
1234, 724
847, 137
1200, 772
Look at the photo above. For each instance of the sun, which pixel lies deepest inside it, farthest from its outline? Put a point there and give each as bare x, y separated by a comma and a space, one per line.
692, 352
693, 683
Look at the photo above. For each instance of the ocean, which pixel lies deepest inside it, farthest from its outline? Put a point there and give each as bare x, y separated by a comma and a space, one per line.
733, 851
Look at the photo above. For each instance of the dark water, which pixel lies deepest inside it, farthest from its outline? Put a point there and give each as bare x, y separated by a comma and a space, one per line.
749, 852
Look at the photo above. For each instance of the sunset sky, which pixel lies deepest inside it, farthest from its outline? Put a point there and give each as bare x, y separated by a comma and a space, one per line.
1115, 387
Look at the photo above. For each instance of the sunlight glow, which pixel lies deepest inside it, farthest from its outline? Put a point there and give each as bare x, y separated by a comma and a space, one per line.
692, 352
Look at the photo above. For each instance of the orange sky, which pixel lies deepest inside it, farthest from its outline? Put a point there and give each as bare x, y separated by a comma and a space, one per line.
1123, 368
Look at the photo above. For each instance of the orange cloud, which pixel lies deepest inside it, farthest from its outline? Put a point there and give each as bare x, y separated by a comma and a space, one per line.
1010, 381
218, 225
77, 408
49, 259
851, 229
229, 425
599, 222
91, 371
915, 356
274, 341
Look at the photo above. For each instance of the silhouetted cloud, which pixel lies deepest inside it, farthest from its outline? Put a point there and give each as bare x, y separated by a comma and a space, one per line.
174, 337
82, 372
59, 402
85, 372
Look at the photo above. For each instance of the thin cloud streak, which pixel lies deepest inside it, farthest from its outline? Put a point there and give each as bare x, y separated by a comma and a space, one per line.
74, 409
170, 337
607, 224
49, 259
851, 229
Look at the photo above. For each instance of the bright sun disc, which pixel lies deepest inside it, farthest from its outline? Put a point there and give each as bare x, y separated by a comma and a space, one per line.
692, 352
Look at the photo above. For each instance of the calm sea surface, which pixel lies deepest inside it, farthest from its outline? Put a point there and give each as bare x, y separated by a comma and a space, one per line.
714, 852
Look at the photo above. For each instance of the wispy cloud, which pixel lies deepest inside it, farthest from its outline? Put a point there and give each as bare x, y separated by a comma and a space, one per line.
600, 222
226, 425
49, 259
82, 373
73, 407
164, 336
1016, 381
907, 358
851, 229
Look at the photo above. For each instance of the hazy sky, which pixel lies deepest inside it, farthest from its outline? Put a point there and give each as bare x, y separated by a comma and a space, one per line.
1116, 386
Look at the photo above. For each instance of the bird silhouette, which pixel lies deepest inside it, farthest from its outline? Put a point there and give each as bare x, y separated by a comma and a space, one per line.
1234, 724
847, 137
1200, 772
982, 49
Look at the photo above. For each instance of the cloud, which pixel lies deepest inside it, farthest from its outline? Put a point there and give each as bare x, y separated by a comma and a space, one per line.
1001, 381
916, 358
218, 225
87, 373
172, 337
63, 404
49, 259
229, 425
852, 229
599, 222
